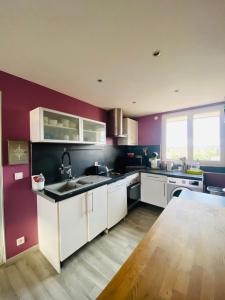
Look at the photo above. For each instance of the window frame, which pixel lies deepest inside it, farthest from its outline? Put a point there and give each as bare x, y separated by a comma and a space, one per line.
190, 114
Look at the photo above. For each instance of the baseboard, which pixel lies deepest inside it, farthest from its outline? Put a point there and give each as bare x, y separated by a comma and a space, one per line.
13, 259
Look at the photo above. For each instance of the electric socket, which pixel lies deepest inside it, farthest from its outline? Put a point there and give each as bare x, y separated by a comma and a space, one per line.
18, 175
20, 241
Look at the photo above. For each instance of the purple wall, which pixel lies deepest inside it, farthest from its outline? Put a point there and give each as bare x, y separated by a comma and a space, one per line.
19, 96
149, 130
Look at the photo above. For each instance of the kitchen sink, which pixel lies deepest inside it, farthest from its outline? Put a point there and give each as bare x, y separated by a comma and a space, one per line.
92, 179
67, 187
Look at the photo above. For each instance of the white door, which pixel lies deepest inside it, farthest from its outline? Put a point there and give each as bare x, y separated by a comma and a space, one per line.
153, 192
117, 202
72, 225
2, 244
97, 211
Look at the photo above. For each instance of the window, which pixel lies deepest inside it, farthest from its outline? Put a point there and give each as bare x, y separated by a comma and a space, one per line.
199, 135
176, 137
206, 136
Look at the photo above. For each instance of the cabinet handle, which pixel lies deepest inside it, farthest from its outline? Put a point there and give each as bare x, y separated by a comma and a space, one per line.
92, 204
164, 188
83, 206
88, 200
135, 186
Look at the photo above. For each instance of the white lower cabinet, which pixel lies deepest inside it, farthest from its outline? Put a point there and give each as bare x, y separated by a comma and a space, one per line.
73, 225
81, 218
154, 189
117, 202
48, 233
97, 211
65, 226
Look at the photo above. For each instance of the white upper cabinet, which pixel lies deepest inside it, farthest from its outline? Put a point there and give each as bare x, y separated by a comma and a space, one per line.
130, 129
51, 126
93, 132
48, 125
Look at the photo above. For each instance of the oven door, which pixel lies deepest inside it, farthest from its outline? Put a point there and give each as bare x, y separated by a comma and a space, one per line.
133, 194
134, 191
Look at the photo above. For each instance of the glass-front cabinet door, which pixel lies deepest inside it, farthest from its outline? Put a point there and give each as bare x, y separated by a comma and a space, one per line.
94, 132
48, 125
60, 127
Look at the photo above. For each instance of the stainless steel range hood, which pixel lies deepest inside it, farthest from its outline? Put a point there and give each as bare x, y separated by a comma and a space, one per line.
116, 123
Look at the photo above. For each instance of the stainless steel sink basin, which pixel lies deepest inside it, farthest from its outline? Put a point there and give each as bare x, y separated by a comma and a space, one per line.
67, 187
92, 179
64, 187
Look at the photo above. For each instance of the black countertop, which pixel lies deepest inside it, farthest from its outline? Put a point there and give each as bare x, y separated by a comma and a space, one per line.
175, 173
115, 177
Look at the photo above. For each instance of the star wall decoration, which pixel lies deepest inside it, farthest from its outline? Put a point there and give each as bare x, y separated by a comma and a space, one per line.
18, 152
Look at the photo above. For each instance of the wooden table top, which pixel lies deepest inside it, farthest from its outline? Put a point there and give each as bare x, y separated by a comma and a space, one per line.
181, 257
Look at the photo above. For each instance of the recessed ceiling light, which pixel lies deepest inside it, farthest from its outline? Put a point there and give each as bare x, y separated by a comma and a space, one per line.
176, 91
100, 80
156, 52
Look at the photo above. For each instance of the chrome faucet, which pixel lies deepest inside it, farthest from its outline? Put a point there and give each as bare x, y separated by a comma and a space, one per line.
66, 169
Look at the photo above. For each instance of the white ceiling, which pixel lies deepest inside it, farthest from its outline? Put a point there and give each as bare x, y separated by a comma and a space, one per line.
67, 45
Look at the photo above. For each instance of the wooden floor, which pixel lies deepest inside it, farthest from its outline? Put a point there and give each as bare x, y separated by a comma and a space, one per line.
86, 273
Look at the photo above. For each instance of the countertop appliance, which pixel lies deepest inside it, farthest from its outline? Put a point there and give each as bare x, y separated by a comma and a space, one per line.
97, 170
176, 185
154, 161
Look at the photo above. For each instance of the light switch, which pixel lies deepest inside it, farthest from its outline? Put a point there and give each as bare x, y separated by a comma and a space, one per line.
18, 175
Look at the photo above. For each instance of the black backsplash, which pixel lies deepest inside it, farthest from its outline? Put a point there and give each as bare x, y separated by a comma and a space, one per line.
46, 158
